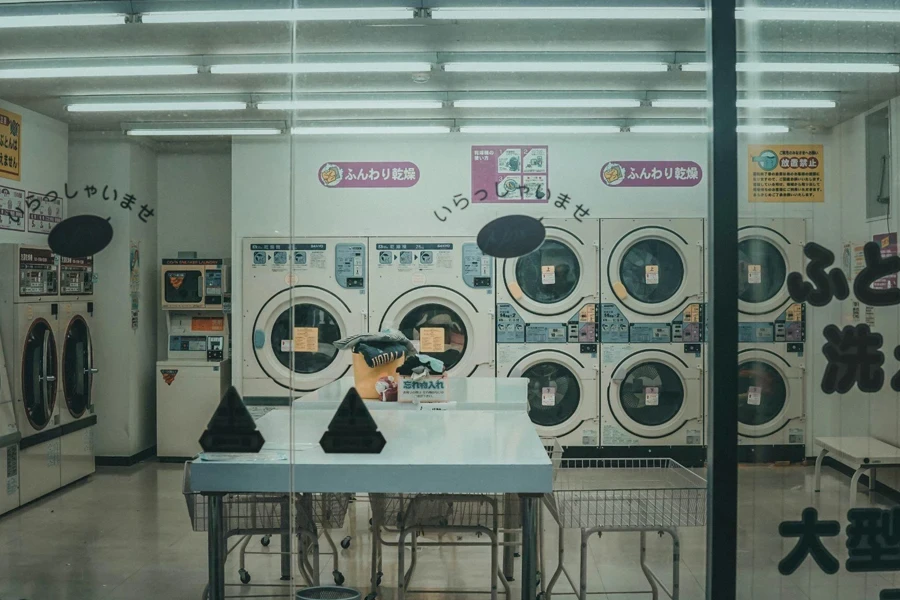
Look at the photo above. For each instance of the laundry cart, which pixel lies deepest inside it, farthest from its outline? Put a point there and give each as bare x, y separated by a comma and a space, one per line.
628, 494
269, 514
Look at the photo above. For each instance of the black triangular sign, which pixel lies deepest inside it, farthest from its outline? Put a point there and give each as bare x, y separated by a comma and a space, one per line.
232, 428
352, 429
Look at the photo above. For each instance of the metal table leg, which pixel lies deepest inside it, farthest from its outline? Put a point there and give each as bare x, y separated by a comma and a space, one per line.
854, 485
530, 507
508, 549
216, 545
819, 460
286, 541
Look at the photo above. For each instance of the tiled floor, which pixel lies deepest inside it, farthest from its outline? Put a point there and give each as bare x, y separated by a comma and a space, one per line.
125, 533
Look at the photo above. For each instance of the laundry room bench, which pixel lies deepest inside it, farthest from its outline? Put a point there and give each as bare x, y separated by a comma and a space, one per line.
860, 453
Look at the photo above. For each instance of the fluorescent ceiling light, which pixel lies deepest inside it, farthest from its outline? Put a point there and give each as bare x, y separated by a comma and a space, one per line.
314, 67
762, 129
791, 67
669, 129
540, 129
375, 129
153, 106
205, 131
555, 67
126, 71
548, 103
819, 14
680, 103
348, 104
568, 12
283, 14
745, 103
73, 20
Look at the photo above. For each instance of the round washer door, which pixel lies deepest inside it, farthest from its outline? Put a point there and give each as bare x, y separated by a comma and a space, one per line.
555, 278
768, 391
445, 324
77, 365
653, 394
556, 390
39, 372
763, 266
294, 335
650, 270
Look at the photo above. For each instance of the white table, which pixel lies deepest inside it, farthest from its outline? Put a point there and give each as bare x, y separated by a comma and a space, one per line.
454, 451
861, 453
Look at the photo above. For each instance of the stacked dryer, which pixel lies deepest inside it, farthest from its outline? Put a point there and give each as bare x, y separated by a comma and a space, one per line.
651, 329
29, 322
772, 335
9, 440
547, 330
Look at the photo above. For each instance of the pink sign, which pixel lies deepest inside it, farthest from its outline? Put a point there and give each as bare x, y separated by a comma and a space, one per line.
651, 173
888, 244
368, 174
510, 174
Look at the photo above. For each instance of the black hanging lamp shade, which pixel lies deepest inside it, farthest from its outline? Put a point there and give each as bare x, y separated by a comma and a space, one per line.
511, 236
80, 236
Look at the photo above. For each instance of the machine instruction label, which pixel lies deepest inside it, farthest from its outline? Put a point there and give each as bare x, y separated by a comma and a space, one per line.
12, 208
350, 266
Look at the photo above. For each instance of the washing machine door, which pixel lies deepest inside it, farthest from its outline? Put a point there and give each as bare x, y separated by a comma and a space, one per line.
77, 367
446, 325
556, 278
764, 260
654, 270
653, 394
294, 335
557, 398
769, 393
39, 371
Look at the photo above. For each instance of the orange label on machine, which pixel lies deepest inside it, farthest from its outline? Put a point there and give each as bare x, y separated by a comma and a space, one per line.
208, 324
306, 339
431, 339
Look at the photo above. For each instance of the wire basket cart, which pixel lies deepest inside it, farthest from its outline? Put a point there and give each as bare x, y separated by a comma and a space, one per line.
628, 495
268, 514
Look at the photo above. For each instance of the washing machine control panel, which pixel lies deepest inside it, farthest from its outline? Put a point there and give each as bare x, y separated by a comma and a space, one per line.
38, 272
789, 326
477, 269
581, 328
687, 327
298, 260
76, 276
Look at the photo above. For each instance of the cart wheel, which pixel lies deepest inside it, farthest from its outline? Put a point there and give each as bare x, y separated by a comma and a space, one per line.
372, 596
345, 543
265, 540
245, 576
338, 577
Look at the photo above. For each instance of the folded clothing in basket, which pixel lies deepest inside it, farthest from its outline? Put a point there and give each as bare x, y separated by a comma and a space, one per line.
378, 348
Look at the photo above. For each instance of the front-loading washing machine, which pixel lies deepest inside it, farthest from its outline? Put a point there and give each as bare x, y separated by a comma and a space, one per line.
562, 388
651, 395
299, 297
440, 294
768, 250
652, 281
29, 321
9, 441
771, 413
77, 368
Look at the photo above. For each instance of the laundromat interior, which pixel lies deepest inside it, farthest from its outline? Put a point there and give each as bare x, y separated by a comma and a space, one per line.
428, 298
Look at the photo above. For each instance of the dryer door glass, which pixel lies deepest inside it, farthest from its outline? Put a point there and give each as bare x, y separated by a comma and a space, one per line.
762, 393
311, 353
39, 374
761, 270
651, 394
77, 367
184, 286
549, 274
431, 316
553, 393
651, 271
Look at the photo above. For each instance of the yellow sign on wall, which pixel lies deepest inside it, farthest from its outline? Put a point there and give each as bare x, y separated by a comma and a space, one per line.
786, 173
10, 145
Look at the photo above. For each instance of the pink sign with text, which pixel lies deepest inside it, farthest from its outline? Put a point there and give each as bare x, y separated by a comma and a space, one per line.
369, 174
510, 174
651, 173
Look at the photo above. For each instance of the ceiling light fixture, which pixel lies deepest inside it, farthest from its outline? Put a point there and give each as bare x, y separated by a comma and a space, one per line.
370, 130
744, 103
103, 107
670, 129
73, 20
111, 71
792, 67
279, 15
548, 103
762, 129
819, 14
680, 103
568, 12
555, 67
349, 104
199, 132
540, 129
318, 67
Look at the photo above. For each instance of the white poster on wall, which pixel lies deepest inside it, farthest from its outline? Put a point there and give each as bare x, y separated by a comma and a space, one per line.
12, 208
44, 211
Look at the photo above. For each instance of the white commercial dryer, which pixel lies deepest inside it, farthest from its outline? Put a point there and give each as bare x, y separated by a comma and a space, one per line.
562, 389
440, 294
768, 250
299, 297
651, 395
9, 441
652, 282
77, 368
29, 320
771, 414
